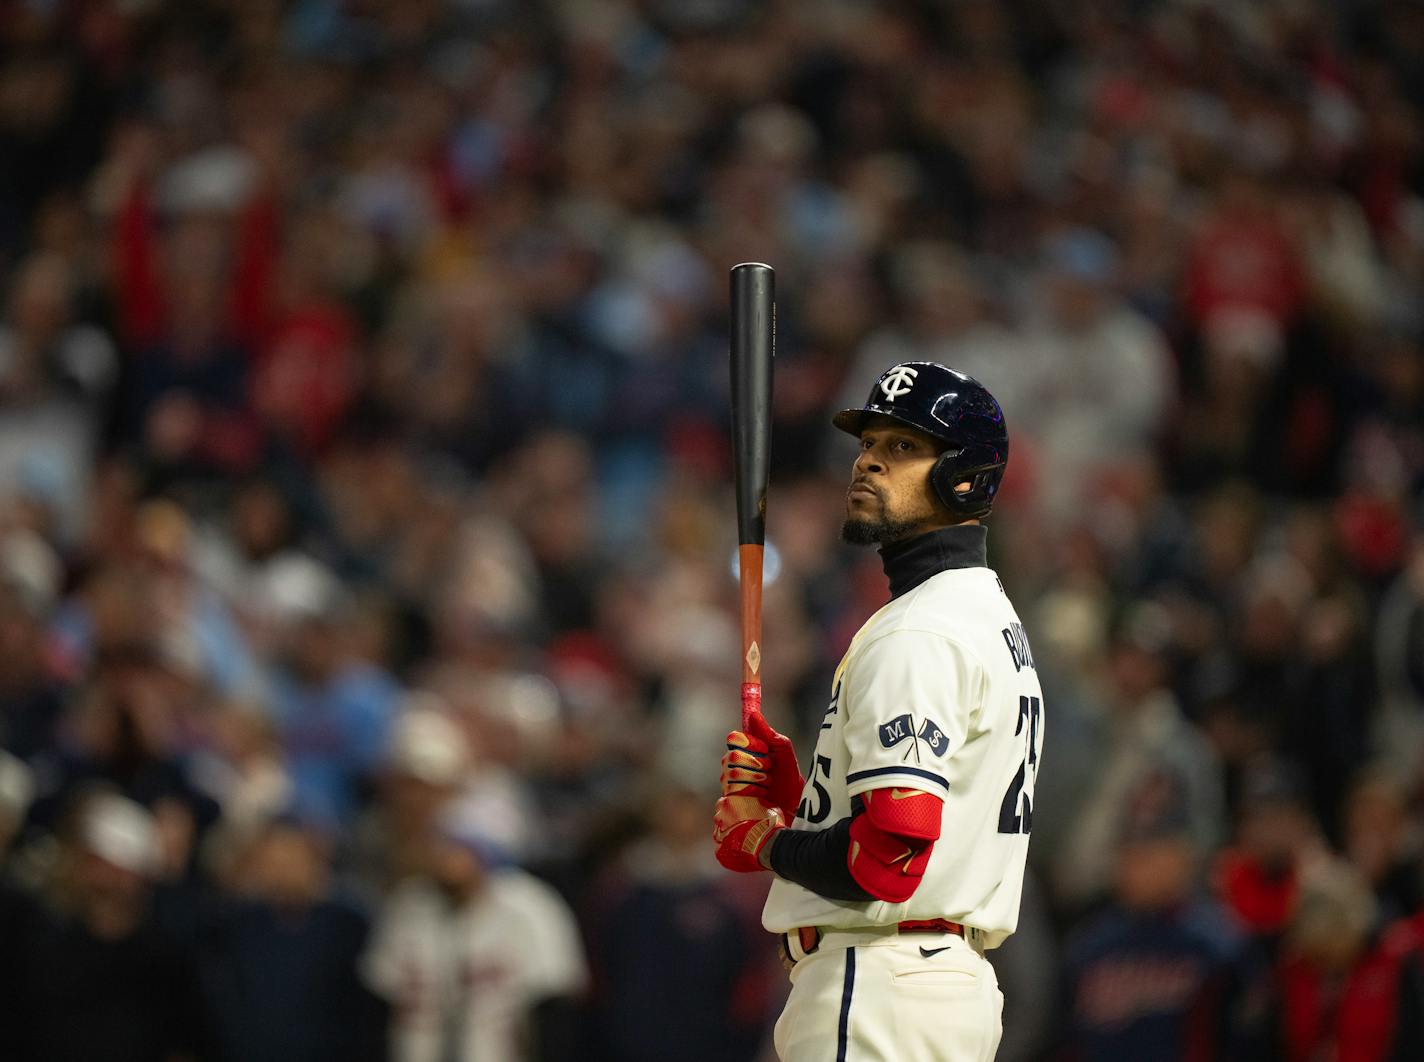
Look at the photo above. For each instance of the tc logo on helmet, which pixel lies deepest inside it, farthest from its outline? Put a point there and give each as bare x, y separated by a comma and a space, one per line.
898, 381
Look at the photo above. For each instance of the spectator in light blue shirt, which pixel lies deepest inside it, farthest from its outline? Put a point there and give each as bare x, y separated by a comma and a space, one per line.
333, 709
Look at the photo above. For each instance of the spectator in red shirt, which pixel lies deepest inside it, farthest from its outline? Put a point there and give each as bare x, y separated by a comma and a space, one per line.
1242, 259
1338, 982
1258, 878
195, 253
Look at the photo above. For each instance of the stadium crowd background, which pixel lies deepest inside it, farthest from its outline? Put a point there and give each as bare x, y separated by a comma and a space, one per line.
366, 532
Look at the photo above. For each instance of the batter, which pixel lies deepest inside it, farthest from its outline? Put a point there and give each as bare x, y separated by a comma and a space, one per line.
899, 858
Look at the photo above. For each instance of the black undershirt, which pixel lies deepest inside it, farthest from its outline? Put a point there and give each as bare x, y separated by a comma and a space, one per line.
909, 563
819, 859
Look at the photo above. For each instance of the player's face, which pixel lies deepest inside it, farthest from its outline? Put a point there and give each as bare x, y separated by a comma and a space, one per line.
890, 495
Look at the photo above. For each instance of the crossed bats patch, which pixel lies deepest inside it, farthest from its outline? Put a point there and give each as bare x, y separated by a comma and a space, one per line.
902, 728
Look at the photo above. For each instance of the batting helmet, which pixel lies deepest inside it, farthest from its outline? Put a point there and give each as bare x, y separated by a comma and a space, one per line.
957, 410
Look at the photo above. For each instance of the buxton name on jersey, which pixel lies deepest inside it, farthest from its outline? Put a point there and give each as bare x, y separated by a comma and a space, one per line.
937, 693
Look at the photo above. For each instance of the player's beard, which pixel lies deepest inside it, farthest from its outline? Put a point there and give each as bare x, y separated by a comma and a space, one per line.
876, 530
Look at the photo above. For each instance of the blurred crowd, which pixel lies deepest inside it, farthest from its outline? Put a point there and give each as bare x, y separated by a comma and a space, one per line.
367, 612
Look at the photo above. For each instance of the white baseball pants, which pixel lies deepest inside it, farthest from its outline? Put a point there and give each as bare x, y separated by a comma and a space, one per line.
878, 995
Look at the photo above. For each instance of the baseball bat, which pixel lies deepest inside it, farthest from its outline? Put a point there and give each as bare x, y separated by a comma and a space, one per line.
753, 347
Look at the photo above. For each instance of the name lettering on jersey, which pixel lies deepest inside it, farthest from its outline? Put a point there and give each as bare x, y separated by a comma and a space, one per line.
831, 708
933, 735
899, 729
1016, 638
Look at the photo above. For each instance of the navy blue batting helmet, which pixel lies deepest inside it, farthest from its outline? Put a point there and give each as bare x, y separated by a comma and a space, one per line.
955, 409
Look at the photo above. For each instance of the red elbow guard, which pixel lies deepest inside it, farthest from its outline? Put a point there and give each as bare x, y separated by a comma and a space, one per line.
906, 813
891, 841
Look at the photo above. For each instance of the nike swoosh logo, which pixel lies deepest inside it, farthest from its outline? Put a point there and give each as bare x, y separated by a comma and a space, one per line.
930, 953
901, 794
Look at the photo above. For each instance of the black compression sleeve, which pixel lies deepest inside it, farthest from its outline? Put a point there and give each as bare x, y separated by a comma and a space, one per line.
818, 860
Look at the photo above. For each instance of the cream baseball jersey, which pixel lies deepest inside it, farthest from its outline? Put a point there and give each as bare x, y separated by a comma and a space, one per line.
463, 980
937, 693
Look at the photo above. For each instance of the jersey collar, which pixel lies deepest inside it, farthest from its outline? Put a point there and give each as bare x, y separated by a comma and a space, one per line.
909, 563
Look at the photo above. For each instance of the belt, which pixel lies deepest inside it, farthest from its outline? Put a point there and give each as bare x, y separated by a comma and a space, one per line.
796, 944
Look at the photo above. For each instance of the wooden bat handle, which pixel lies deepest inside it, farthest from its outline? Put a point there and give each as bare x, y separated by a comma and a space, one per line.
750, 558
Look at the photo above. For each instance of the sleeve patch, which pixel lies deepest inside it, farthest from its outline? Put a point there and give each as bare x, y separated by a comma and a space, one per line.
934, 737
899, 729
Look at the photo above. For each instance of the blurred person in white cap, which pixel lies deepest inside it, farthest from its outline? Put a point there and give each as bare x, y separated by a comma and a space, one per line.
243, 768
333, 707
31, 693
427, 765
481, 961
93, 975
116, 856
512, 722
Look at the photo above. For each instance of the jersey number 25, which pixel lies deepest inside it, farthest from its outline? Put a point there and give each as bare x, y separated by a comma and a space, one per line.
1016, 812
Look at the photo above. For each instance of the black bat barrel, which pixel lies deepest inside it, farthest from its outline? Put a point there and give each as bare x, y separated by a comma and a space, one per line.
753, 347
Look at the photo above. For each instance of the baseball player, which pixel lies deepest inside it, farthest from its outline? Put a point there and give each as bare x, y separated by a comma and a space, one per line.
481, 962
899, 860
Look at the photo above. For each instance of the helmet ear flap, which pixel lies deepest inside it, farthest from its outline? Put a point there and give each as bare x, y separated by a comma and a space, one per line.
944, 476
974, 503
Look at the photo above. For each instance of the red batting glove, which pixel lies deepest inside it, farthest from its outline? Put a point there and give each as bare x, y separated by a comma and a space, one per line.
763, 763
743, 826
